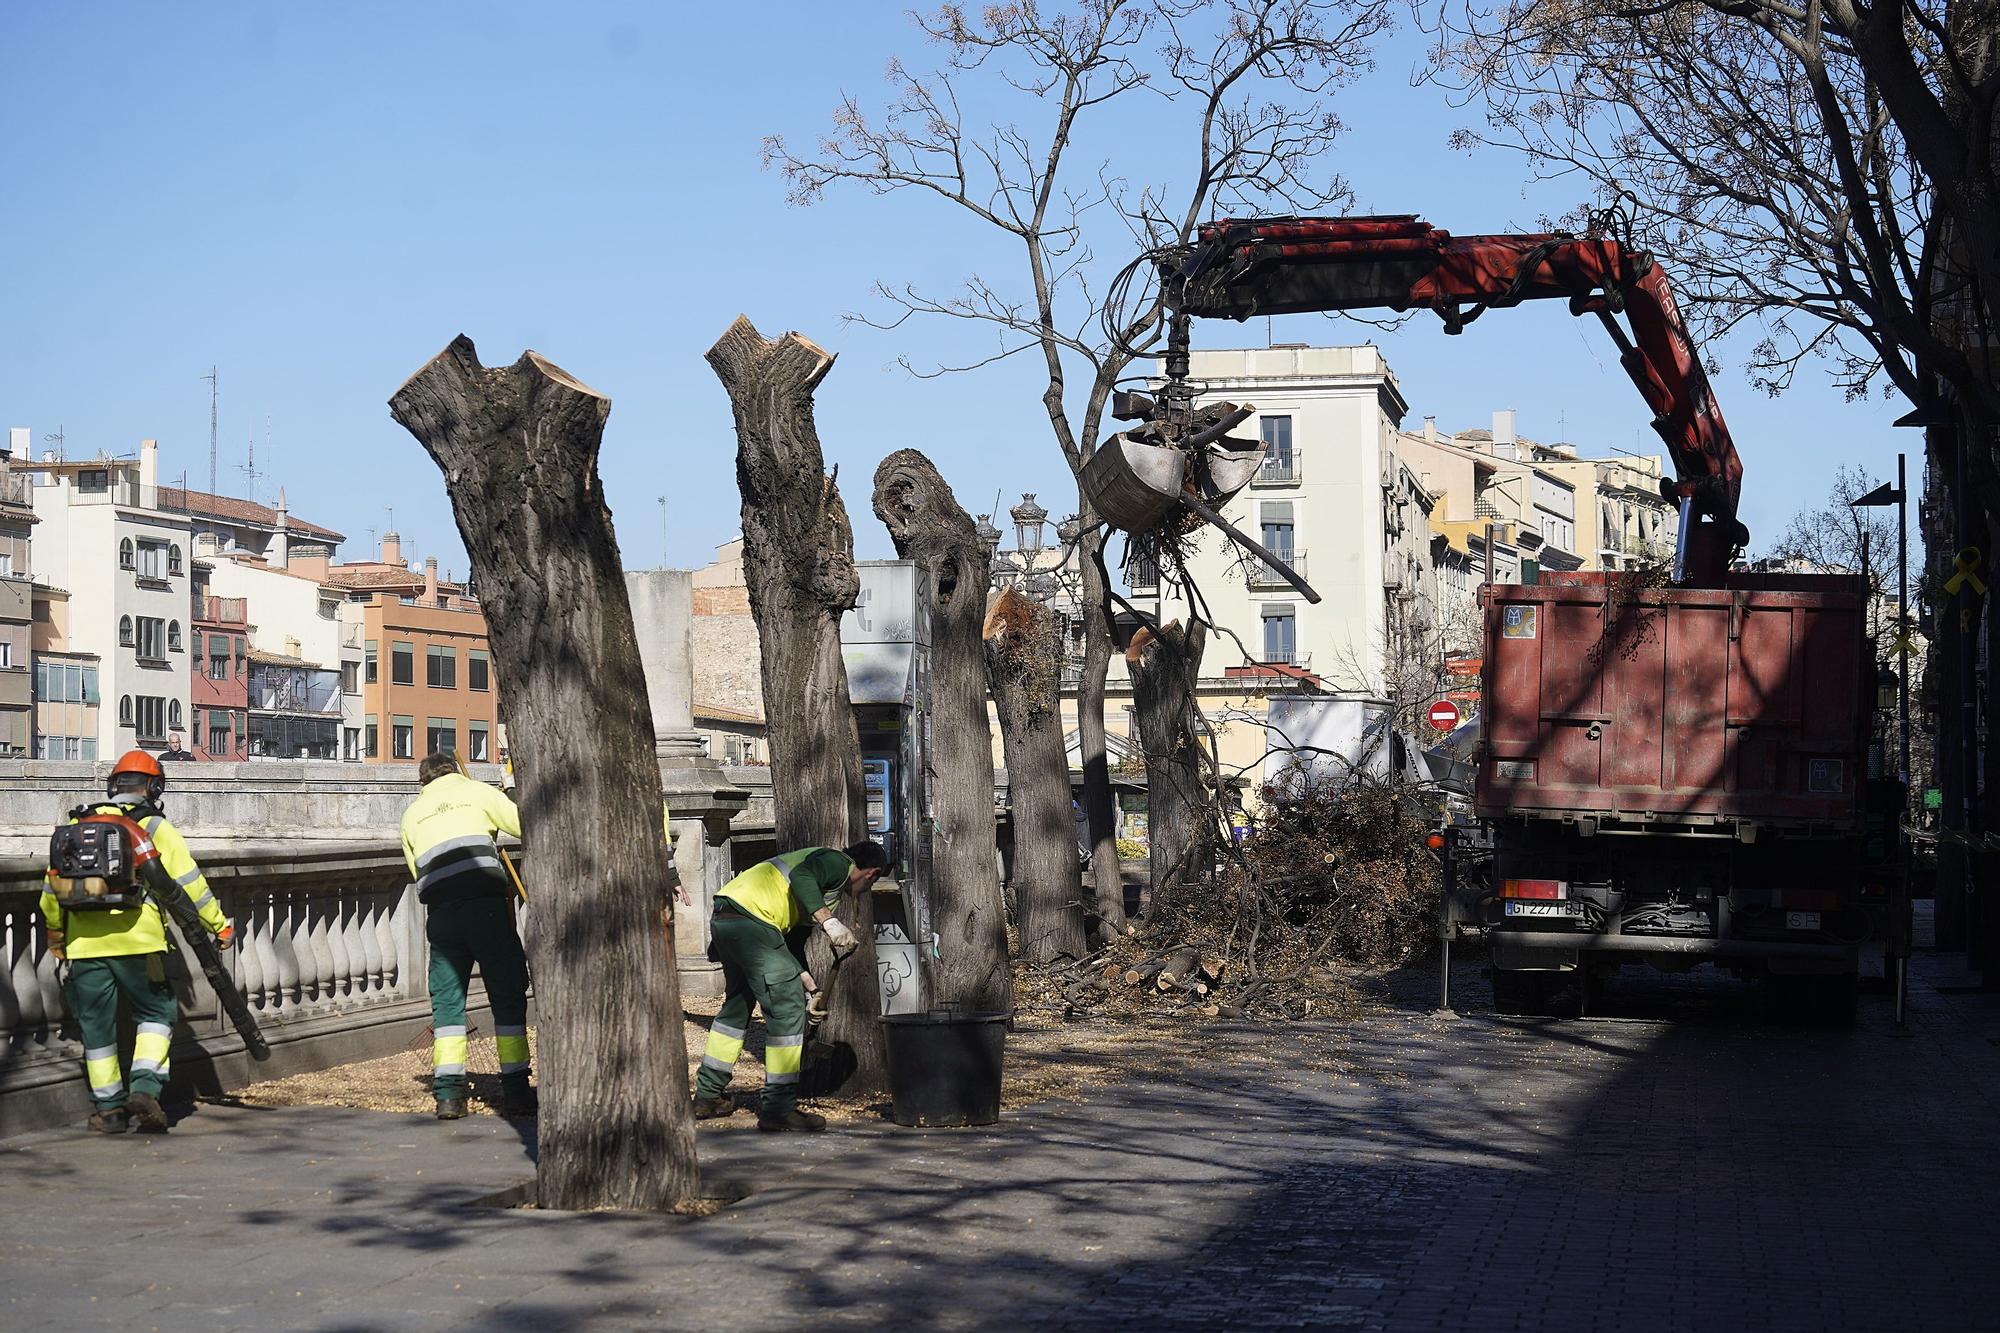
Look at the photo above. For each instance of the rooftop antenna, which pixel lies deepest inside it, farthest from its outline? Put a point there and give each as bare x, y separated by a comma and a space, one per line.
665, 562
212, 383
251, 469
56, 438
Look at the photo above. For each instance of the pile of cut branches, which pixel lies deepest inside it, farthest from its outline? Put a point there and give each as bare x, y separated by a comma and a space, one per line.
1331, 881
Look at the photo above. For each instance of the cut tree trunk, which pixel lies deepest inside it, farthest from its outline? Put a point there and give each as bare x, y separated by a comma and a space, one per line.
1099, 807
518, 448
798, 565
1024, 655
930, 527
1164, 667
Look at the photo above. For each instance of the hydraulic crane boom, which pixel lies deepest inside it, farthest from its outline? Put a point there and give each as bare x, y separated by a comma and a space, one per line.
1276, 266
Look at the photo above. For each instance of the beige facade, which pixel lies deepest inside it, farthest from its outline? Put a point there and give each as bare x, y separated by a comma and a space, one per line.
67, 703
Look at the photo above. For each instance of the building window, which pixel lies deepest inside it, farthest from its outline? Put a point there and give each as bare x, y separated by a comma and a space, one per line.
218, 661
441, 733
200, 641
1275, 518
6, 655
476, 671
124, 710
350, 744
125, 560
328, 609
402, 737
174, 558
173, 714
441, 667
476, 748
151, 646
1277, 433
124, 631
94, 482
350, 677
152, 560
87, 749
173, 636
150, 719
369, 671
402, 663
221, 734
194, 732
371, 737
1280, 634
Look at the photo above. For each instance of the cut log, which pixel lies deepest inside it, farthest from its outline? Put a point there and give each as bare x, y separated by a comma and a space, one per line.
1180, 965
1024, 659
518, 448
798, 567
1164, 666
930, 528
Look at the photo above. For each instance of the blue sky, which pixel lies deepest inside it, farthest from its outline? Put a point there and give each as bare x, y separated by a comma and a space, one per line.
317, 198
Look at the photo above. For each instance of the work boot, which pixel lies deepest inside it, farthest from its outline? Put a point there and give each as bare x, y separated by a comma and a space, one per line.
519, 1101
451, 1108
714, 1108
147, 1117
804, 1122
114, 1121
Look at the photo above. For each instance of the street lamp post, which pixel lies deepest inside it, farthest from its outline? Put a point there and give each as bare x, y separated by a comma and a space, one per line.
1900, 497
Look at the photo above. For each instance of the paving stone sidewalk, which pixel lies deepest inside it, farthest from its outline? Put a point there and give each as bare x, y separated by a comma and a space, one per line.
1677, 1163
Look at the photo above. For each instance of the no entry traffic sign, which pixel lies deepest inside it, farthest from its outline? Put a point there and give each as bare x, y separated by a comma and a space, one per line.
1444, 715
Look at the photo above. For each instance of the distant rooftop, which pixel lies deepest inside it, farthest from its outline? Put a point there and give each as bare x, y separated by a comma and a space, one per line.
228, 509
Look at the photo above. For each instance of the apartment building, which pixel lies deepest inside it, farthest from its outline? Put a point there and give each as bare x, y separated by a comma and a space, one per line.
426, 675
218, 693
102, 535
17, 604
67, 690
294, 707
1623, 522
302, 613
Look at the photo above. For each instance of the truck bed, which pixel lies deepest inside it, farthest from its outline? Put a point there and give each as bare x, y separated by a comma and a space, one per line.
1608, 699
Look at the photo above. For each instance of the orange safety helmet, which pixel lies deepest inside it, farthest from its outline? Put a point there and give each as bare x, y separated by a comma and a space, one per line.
138, 761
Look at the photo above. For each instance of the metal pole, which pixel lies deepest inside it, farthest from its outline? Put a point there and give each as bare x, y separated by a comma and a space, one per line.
1903, 620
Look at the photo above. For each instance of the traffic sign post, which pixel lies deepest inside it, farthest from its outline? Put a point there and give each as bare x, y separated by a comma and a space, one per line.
1444, 715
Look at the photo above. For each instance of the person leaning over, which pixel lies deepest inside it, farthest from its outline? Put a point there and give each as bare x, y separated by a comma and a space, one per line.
758, 932
468, 896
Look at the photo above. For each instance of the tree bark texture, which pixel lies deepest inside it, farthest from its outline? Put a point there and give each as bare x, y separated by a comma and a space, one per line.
1164, 668
1099, 807
930, 527
1024, 655
518, 449
798, 565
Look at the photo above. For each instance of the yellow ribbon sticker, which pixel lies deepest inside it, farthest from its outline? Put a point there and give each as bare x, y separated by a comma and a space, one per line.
1966, 571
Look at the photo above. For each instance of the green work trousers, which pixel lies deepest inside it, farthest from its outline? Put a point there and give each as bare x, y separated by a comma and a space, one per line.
463, 933
93, 989
756, 967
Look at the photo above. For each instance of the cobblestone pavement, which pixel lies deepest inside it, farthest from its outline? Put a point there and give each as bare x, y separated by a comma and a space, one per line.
1675, 1164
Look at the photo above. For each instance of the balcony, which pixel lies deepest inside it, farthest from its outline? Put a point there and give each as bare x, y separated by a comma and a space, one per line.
224, 610
1262, 575
1282, 470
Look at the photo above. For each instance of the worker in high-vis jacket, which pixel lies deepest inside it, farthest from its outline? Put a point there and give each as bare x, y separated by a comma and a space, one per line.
122, 951
758, 931
468, 897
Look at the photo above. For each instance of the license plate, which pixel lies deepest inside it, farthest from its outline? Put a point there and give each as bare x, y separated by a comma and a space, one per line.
1802, 921
1544, 909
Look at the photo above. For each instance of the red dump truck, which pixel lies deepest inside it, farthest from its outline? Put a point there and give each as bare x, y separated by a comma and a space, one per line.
1672, 776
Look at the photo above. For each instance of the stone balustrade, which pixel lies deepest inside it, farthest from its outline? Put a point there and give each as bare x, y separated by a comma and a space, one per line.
331, 958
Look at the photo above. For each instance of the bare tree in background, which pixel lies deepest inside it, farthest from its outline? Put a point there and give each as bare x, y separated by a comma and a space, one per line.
1824, 171
1238, 84
1833, 538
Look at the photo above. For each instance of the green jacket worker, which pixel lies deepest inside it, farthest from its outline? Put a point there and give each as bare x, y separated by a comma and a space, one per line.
468, 897
758, 932
122, 951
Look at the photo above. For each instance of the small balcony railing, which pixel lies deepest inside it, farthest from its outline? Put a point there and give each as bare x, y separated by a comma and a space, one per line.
1281, 470
1263, 575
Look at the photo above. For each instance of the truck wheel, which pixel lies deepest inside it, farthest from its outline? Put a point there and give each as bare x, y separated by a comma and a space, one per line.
1519, 994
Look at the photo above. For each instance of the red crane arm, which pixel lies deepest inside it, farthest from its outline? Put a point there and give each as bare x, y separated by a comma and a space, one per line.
1278, 266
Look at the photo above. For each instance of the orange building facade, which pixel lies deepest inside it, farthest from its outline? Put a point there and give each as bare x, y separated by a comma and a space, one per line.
427, 682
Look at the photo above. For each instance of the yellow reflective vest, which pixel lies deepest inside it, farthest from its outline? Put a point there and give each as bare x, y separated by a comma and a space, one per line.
448, 838
118, 932
786, 890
